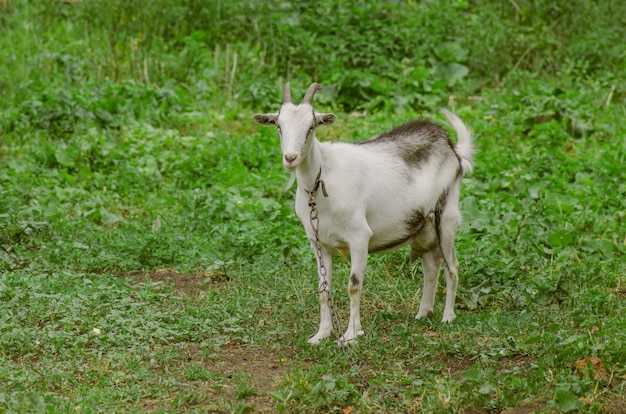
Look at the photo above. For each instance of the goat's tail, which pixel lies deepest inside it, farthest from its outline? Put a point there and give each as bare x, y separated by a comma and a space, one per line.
464, 148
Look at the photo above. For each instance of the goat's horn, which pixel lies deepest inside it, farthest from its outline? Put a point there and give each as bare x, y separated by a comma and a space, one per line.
308, 98
287, 93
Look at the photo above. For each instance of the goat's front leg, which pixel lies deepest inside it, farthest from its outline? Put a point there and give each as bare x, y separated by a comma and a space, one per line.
323, 286
358, 255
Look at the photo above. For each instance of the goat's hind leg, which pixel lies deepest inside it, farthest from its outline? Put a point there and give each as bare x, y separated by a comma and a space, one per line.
431, 263
449, 226
358, 258
323, 286
451, 272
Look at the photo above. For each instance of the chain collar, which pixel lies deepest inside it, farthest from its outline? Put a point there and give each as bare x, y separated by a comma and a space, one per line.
319, 183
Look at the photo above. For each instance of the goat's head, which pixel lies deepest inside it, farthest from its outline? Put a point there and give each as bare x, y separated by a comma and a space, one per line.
296, 125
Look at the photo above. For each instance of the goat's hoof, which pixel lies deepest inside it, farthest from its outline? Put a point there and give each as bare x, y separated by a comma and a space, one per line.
428, 315
318, 337
347, 340
447, 318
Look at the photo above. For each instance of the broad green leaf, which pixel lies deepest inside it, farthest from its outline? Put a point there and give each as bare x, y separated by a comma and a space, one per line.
66, 156
567, 401
473, 374
451, 52
561, 238
451, 72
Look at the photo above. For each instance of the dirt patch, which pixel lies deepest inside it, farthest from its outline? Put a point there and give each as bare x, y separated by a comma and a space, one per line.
515, 361
259, 363
524, 410
453, 365
616, 405
252, 373
620, 292
188, 284
231, 378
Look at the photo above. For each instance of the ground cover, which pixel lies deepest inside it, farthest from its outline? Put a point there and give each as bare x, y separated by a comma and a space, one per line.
151, 261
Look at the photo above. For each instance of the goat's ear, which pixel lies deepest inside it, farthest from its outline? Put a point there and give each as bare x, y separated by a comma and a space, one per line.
265, 119
324, 119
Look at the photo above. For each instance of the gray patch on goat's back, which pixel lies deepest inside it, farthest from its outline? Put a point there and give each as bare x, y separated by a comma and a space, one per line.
415, 142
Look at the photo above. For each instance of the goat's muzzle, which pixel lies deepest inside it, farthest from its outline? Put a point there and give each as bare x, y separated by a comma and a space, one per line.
290, 161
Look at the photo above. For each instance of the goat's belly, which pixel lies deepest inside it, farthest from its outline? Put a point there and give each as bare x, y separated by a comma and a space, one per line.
423, 238
390, 245
421, 242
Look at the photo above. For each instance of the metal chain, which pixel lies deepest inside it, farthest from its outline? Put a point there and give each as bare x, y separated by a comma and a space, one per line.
325, 285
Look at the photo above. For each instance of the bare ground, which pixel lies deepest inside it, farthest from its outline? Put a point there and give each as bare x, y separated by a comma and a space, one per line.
187, 284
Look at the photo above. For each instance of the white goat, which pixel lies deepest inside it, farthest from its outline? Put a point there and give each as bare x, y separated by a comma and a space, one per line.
399, 188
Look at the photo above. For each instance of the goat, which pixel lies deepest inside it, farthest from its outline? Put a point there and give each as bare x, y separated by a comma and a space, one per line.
396, 189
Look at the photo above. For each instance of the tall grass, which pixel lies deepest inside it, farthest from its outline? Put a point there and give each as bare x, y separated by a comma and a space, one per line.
362, 51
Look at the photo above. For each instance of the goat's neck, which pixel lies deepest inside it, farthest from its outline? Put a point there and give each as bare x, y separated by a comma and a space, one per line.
310, 166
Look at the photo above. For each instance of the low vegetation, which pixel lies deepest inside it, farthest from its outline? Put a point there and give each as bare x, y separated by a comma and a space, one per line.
150, 259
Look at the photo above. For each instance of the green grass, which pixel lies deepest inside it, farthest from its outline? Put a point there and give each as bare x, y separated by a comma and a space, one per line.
117, 118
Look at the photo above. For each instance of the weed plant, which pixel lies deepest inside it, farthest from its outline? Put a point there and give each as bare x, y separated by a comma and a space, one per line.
151, 260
